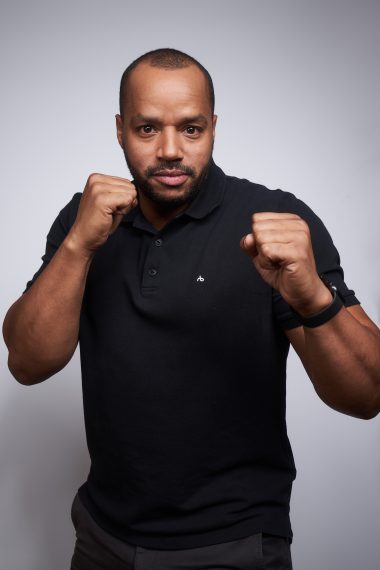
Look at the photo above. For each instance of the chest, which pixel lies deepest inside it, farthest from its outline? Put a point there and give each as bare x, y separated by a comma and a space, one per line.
193, 274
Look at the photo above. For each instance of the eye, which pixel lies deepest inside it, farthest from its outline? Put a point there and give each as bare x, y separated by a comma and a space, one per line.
146, 129
193, 131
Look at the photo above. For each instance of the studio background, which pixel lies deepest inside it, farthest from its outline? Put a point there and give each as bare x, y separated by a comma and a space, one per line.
297, 94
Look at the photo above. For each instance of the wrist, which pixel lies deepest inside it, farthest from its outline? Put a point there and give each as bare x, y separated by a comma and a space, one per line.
74, 247
321, 299
327, 312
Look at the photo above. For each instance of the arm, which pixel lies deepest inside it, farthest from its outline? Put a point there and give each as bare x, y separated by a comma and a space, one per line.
41, 328
341, 356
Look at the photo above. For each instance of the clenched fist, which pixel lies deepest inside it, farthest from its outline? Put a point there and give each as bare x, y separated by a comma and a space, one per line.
105, 200
281, 250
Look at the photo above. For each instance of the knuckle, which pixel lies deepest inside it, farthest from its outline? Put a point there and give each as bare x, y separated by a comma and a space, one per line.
94, 177
266, 249
99, 199
94, 187
97, 187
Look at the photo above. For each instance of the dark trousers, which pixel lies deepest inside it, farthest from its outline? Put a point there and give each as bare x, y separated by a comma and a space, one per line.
95, 549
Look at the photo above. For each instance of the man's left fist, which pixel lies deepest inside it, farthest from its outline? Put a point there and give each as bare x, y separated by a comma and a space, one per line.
281, 250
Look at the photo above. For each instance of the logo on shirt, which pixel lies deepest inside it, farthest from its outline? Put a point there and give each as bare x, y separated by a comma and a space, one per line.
200, 279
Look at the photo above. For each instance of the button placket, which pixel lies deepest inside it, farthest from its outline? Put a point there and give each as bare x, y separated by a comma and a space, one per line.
152, 264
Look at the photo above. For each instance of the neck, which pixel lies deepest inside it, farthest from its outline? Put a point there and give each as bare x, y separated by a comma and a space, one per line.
158, 216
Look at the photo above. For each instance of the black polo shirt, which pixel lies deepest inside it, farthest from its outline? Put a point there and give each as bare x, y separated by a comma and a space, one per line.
183, 357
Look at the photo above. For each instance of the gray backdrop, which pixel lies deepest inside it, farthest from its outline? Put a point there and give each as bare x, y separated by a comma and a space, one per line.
297, 94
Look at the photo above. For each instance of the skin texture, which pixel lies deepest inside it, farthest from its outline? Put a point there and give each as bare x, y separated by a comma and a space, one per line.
167, 135
166, 121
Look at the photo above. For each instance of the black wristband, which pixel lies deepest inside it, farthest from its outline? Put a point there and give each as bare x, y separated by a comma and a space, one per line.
327, 313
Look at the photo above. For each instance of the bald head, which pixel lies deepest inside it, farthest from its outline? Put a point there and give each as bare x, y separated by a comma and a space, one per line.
167, 59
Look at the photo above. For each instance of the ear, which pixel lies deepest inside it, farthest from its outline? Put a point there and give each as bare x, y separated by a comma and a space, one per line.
214, 119
119, 129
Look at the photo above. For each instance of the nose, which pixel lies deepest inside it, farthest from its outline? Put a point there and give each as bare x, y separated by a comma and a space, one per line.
169, 147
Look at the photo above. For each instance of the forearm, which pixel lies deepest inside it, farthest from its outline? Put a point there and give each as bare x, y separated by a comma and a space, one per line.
342, 358
41, 328
341, 354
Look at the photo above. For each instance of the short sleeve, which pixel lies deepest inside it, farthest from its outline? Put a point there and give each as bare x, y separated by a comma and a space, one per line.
327, 260
57, 233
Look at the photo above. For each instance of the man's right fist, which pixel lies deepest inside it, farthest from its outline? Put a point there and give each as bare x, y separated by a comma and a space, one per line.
105, 200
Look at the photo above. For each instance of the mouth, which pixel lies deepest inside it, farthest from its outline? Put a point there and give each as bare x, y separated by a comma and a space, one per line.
171, 177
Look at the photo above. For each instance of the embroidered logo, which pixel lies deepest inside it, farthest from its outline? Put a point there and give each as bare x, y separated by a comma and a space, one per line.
200, 279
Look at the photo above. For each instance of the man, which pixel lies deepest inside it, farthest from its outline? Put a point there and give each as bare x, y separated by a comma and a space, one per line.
184, 338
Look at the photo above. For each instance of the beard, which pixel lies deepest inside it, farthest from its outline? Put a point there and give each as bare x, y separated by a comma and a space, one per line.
169, 200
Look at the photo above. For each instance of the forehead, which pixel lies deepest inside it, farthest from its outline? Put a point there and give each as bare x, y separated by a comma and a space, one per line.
152, 89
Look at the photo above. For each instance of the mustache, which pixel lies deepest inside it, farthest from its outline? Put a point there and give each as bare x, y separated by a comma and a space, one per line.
169, 165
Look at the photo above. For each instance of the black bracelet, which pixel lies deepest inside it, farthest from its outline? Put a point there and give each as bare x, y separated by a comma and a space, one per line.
327, 313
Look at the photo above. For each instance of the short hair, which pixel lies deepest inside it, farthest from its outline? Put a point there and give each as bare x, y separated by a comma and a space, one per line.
165, 58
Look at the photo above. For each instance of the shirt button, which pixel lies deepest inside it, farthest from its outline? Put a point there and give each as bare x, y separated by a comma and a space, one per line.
158, 242
152, 271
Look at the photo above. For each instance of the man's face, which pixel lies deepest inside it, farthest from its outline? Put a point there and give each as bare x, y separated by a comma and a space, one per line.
167, 132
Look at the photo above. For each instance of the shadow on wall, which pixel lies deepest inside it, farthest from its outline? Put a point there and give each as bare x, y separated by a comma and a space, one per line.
44, 460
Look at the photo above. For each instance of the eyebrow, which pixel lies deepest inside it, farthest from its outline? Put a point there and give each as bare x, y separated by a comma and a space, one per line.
185, 120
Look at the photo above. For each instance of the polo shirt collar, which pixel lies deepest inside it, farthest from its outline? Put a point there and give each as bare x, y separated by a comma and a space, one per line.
210, 193
208, 198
